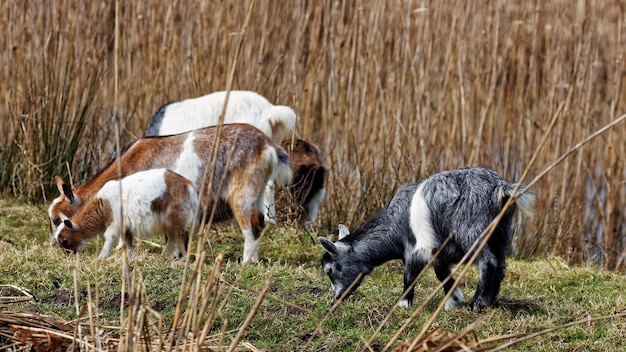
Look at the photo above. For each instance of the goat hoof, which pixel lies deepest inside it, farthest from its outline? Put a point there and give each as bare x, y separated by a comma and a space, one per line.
477, 306
476, 309
405, 303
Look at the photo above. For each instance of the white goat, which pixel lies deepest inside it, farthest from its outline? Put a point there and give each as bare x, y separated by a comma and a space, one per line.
276, 121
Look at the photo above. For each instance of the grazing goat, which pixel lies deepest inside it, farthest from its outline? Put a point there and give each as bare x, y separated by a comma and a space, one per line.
459, 204
276, 121
246, 160
306, 191
154, 201
245, 107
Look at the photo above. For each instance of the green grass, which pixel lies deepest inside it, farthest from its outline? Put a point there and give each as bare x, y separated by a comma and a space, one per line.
535, 295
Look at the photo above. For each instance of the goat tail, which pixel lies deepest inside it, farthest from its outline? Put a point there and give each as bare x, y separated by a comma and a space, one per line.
524, 198
282, 172
282, 120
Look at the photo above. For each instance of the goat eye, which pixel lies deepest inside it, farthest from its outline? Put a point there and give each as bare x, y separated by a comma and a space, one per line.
56, 221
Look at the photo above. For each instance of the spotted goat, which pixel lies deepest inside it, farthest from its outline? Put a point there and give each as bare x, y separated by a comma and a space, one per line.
155, 201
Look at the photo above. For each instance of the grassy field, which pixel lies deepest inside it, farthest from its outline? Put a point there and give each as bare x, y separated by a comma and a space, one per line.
296, 295
390, 91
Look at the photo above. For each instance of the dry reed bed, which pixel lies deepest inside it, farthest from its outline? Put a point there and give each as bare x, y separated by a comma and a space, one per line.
390, 91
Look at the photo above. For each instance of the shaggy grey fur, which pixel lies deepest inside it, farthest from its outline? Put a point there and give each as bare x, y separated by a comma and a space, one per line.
413, 225
155, 122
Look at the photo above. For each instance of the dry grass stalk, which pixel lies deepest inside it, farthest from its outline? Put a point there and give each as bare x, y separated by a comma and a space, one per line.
517, 339
441, 340
5, 300
318, 328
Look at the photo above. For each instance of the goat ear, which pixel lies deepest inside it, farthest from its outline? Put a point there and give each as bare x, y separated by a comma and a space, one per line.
65, 189
329, 246
59, 182
68, 224
343, 231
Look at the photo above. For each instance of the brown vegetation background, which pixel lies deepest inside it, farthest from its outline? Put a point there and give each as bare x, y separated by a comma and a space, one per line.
390, 91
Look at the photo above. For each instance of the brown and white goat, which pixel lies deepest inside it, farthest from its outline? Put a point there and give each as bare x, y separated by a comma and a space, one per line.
276, 121
246, 160
306, 191
155, 201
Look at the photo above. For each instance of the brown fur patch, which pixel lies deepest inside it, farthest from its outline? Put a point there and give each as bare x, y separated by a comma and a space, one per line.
91, 220
308, 177
63, 207
302, 152
241, 183
177, 187
158, 205
174, 198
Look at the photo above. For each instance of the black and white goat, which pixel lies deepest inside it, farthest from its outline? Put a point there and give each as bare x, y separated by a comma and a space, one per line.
413, 225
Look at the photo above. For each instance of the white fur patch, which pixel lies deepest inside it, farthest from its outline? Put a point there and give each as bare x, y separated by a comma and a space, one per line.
250, 247
57, 231
269, 204
56, 201
188, 163
138, 190
338, 289
421, 226
342, 247
280, 120
343, 231
404, 303
277, 122
456, 299
204, 111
